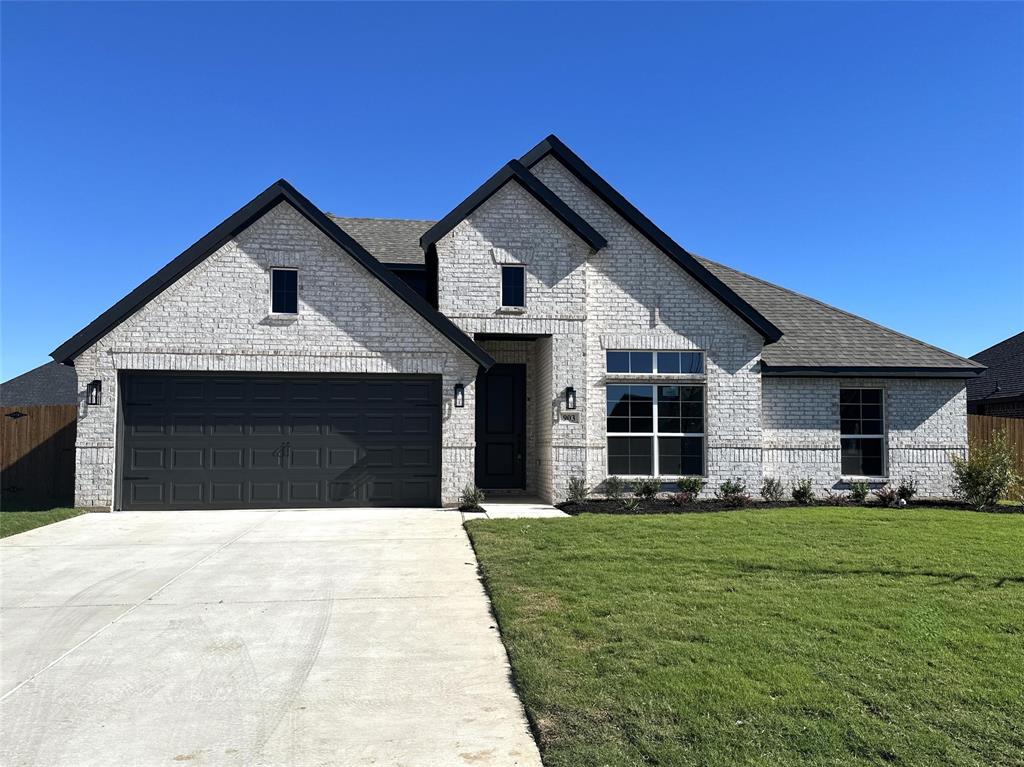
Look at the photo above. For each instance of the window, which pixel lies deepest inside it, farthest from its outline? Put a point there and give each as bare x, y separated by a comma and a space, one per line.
862, 432
284, 291
668, 417
655, 362
513, 286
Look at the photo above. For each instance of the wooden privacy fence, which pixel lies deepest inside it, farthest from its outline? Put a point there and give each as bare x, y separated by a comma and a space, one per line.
37, 456
980, 428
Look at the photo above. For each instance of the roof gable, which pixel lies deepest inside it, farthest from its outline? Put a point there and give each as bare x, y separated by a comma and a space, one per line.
514, 171
552, 145
280, 191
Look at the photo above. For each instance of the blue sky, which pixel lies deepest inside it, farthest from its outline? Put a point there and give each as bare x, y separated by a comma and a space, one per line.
869, 155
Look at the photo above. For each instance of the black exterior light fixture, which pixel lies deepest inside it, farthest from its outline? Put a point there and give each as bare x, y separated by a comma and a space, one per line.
94, 393
570, 398
460, 395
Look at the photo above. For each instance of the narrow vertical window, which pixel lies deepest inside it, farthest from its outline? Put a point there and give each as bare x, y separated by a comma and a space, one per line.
513, 286
862, 432
284, 291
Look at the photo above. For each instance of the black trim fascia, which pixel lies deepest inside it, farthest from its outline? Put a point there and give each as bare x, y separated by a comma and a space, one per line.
867, 371
589, 177
277, 192
514, 171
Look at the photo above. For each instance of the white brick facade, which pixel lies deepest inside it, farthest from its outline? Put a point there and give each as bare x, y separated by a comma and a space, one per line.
579, 304
217, 318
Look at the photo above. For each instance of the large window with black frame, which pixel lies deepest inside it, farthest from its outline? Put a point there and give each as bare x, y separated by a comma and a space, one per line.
862, 432
655, 428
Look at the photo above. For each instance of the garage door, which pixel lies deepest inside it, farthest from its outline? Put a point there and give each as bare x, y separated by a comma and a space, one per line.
256, 441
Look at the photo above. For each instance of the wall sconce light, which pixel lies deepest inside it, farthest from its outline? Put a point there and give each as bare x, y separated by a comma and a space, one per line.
94, 393
460, 395
570, 398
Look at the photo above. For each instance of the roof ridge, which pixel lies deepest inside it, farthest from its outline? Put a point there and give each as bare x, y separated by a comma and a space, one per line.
819, 302
382, 218
1006, 340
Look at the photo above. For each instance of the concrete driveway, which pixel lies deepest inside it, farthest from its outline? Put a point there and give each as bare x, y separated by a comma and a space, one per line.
288, 638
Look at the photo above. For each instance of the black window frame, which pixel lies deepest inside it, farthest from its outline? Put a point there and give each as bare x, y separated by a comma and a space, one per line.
653, 402
284, 293
862, 432
509, 269
655, 362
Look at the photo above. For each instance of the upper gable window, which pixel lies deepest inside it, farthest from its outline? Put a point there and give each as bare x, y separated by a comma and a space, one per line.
513, 286
284, 291
655, 362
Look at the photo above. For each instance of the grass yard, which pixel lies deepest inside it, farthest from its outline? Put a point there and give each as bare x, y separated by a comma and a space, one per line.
14, 522
817, 636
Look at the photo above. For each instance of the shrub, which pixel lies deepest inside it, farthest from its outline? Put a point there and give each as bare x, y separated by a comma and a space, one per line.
888, 496
907, 490
646, 488
987, 474
631, 505
836, 499
471, 498
689, 489
859, 492
803, 492
733, 492
771, 489
576, 489
614, 487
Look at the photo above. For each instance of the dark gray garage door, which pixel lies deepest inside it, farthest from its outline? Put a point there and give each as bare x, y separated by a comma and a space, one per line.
256, 441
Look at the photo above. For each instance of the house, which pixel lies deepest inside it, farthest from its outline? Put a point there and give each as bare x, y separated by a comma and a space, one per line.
544, 329
999, 390
49, 384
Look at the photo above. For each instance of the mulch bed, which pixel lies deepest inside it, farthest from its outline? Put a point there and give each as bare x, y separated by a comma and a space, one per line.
666, 506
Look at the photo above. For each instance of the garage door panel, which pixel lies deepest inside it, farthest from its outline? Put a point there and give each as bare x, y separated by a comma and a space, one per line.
222, 441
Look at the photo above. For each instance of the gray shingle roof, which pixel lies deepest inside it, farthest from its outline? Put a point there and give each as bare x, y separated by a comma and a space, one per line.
48, 384
389, 240
1005, 375
814, 333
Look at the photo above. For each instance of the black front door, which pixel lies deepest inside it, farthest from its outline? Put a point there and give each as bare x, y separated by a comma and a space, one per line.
501, 428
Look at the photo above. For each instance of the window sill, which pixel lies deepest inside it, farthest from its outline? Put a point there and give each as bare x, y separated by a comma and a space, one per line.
280, 318
511, 310
666, 479
849, 478
659, 377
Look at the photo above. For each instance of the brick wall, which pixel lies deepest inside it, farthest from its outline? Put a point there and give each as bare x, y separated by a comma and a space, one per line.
217, 317
925, 419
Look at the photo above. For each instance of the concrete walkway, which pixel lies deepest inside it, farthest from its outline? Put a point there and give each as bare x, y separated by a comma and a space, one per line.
515, 508
298, 638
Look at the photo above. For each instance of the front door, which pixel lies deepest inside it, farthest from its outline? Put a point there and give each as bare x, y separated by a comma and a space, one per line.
501, 428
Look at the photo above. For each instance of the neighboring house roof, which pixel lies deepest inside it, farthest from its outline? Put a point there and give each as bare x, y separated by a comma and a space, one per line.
280, 191
817, 338
1004, 378
514, 171
552, 145
49, 384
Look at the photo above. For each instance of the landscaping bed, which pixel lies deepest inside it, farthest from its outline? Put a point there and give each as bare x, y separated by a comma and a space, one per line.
783, 636
660, 505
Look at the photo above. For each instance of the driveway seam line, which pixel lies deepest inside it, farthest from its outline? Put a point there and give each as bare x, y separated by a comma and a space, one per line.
131, 609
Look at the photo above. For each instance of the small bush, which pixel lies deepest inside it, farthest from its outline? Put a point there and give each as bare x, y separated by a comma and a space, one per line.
836, 499
888, 495
907, 490
859, 491
471, 498
576, 489
733, 492
614, 487
632, 505
646, 488
689, 489
803, 492
772, 490
987, 474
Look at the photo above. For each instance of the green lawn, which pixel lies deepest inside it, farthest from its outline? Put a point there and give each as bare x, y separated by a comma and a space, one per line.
14, 522
817, 636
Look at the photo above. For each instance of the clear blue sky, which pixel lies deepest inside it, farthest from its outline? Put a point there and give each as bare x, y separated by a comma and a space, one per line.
867, 154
